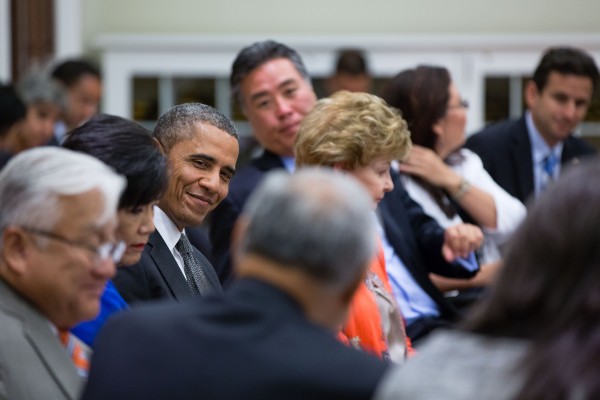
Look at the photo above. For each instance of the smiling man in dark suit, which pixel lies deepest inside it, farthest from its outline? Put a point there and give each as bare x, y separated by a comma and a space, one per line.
201, 145
524, 155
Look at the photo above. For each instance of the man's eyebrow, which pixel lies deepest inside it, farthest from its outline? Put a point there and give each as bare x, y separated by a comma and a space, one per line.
201, 156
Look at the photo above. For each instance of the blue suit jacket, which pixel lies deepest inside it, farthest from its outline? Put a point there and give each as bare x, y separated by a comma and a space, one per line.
505, 150
417, 239
157, 275
223, 218
253, 342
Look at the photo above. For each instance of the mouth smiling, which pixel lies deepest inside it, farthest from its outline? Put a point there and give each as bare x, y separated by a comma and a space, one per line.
208, 201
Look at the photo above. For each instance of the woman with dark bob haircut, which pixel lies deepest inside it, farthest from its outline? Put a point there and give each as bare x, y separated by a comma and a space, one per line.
132, 152
537, 334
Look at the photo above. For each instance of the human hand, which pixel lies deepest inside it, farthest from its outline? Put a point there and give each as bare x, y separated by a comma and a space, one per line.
427, 165
460, 240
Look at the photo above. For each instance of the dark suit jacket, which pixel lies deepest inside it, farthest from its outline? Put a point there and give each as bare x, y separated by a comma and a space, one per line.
254, 342
505, 150
223, 218
417, 239
158, 276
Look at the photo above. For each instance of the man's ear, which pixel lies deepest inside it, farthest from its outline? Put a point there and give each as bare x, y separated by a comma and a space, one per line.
16, 246
159, 146
531, 93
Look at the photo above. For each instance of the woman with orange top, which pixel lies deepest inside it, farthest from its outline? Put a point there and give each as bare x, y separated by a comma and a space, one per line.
358, 134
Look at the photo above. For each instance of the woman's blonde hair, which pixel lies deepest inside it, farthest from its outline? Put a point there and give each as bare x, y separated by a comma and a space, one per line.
351, 130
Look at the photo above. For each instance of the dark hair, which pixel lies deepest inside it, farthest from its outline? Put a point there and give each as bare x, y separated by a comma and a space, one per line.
130, 150
351, 62
70, 71
421, 94
565, 60
548, 291
179, 123
253, 56
12, 108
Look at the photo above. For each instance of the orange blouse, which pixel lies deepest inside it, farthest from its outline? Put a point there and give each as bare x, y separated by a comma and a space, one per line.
375, 323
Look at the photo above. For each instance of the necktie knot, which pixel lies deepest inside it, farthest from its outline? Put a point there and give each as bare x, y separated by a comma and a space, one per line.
184, 246
549, 164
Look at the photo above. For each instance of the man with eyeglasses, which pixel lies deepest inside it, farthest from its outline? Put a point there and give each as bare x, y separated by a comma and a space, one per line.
57, 251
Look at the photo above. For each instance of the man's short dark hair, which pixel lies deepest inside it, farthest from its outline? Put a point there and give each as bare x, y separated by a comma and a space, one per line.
566, 61
70, 71
351, 62
12, 108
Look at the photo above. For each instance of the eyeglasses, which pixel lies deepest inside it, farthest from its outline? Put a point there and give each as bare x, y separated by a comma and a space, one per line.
461, 104
106, 251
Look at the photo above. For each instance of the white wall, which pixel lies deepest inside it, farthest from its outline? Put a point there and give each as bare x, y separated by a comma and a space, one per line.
337, 16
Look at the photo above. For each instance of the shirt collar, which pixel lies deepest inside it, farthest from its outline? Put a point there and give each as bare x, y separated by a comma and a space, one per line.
167, 229
539, 147
289, 163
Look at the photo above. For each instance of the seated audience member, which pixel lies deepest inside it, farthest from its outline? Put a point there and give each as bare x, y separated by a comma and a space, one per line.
81, 83
351, 72
535, 336
447, 181
359, 135
524, 155
272, 335
42, 96
272, 87
12, 119
130, 150
201, 146
57, 251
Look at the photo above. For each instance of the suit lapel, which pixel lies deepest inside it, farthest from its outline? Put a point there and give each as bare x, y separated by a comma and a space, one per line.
168, 268
36, 329
569, 153
521, 160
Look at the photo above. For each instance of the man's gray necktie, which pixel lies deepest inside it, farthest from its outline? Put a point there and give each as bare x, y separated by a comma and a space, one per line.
193, 270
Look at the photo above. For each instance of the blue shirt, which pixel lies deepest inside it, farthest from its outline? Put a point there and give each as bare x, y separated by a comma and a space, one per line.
110, 303
414, 302
539, 151
289, 163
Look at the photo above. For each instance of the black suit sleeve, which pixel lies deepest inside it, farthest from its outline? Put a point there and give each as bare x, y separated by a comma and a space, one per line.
427, 233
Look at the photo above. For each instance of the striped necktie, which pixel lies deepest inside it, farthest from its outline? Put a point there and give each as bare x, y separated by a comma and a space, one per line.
549, 164
79, 352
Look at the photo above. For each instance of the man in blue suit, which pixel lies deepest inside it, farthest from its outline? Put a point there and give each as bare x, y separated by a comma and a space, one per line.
272, 335
524, 155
